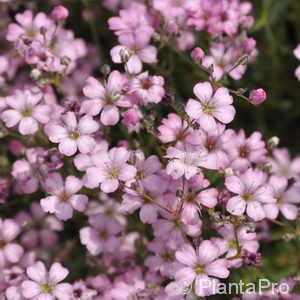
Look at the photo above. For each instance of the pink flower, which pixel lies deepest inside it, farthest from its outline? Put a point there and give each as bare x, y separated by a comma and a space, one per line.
173, 129
105, 98
25, 111
200, 265
101, 235
71, 134
148, 89
297, 54
110, 168
185, 160
138, 45
59, 13
286, 199
45, 285
131, 116
251, 192
131, 19
212, 105
63, 197
257, 96
197, 55
10, 252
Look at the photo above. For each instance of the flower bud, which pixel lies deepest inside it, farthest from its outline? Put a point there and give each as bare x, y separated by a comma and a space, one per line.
257, 96
59, 13
228, 172
105, 69
197, 55
249, 44
131, 116
35, 74
272, 142
65, 60
125, 55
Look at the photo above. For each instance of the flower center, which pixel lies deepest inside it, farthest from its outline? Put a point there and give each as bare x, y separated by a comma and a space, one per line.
247, 196
207, 109
74, 135
232, 244
26, 113
146, 84
64, 198
113, 173
47, 288
77, 293
199, 269
244, 152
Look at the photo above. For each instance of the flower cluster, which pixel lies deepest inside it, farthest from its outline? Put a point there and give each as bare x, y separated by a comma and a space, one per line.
104, 173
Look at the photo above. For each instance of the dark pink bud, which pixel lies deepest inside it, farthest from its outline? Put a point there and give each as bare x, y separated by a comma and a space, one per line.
59, 13
123, 143
257, 96
197, 55
131, 116
249, 44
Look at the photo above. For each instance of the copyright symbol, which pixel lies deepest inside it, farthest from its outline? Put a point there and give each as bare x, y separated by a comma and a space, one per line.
184, 286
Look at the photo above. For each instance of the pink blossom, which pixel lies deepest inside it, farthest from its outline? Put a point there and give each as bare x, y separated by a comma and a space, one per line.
173, 129
72, 134
10, 252
140, 51
63, 197
131, 19
131, 116
101, 235
185, 160
200, 265
26, 111
110, 168
211, 106
45, 285
251, 192
287, 199
105, 98
148, 89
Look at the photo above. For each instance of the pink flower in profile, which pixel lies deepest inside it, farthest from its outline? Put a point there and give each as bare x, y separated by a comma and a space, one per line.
185, 160
101, 235
59, 13
251, 192
45, 285
257, 96
199, 266
105, 98
25, 110
212, 105
173, 129
72, 134
110, 168
138, 45
148, 89
287, 199
297, 54
10, 252
63, 197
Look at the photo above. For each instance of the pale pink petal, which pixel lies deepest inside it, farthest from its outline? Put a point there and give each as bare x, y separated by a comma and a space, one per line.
70, 120
91, 107
236, 205
57, 133
110, 115
134, 64
225, 114
193, 109
37, 272
87, 125
30, 289
234, 184
64, 211
79, 202
109, 185
13, 252
72, 185
255, 211
57, 273
11, 117
148, 54
148, 214
289, 211
185, 276
203, 91
127, 172
218, 268
49, 204
68, 147
207, 252
41, 113
63, 291
93, 88
207, 122
187, 255
85, 143
208, 197
9, 230
271, 211
28, 125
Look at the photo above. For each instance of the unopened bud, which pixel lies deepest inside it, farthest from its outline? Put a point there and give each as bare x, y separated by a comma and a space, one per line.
65, 60
267, 167
131, 116
35, 74
287, 237
197, 55
249, 44
257, 96
43, 30
59, 13
105, 69
273, 142
228, 172
125, 55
